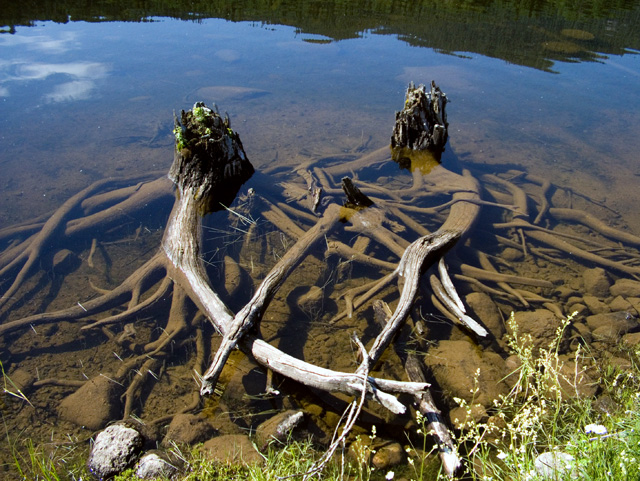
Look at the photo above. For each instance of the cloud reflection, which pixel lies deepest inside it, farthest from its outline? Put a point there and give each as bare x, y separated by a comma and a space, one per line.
43, 43
75, 90
29, 59
80, 70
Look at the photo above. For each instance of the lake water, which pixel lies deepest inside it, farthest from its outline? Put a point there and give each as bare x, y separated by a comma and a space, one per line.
90, 94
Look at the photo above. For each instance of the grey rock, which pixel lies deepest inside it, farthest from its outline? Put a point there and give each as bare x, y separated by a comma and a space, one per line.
155, 465
114, 450
553, 465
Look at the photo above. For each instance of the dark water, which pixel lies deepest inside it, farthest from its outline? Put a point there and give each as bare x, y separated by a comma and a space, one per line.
89, 91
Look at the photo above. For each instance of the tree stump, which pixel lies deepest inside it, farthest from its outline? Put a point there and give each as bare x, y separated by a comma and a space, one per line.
422, 123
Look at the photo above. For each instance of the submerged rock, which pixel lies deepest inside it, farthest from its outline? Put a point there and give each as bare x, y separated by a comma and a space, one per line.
188, 429
388, 455
461, 368
595, 305
486, 311
625, 288
596, 282
94, 404
232, 276
311, 301
278, 428
611, 326
232, 449
541, 325
65, 261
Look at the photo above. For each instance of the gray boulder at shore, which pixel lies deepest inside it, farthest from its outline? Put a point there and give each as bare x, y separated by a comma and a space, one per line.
114, 450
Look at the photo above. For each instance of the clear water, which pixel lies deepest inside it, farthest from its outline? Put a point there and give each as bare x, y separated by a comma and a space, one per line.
81, 101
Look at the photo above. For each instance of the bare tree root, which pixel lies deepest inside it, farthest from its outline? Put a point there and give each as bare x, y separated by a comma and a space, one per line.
447, 449
553, 239
150, 272
60, 227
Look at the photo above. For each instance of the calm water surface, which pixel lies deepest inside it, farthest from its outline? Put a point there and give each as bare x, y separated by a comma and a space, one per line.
553, 94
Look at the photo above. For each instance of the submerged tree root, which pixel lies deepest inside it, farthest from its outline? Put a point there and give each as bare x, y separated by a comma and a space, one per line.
378, 215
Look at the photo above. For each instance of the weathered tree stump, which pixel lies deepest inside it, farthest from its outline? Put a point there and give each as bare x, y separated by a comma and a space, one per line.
422, 123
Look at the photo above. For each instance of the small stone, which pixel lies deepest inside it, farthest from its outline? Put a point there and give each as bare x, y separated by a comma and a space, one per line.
552, 465
596, 282
232, 449
277, 428
512, 255
625, 288
620, 304
155, 465
188, 429
595, 305
483, 309
65, 261
311, 302
610, 326
114, 450
388, 455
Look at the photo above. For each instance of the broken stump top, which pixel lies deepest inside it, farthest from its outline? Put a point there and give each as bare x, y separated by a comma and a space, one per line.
422, 123
209, 159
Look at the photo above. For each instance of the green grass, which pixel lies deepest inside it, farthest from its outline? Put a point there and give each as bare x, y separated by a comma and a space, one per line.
541, 413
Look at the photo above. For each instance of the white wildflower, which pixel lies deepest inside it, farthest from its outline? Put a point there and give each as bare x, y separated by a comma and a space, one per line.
595, 429
389, 476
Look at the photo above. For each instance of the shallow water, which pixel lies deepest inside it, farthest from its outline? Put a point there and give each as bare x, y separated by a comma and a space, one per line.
552, 93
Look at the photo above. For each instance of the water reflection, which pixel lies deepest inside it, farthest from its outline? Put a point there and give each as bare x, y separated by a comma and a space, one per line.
63, 81
317, 92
